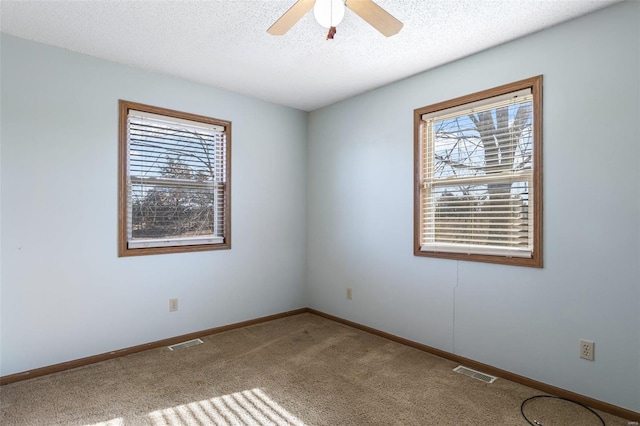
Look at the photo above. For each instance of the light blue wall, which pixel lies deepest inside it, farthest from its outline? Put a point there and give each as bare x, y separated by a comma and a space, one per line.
524, 320
65, 293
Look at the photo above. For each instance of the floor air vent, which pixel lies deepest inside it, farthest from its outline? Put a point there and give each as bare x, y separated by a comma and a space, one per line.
186, 344
475, 374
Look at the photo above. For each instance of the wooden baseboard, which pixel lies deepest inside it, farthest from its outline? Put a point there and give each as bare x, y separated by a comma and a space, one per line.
543, 387
152, 345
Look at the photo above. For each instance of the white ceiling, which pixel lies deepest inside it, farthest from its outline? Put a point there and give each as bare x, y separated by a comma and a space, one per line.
224, 43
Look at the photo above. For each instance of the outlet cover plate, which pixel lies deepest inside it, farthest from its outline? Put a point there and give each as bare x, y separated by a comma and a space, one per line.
587, 349
173, 305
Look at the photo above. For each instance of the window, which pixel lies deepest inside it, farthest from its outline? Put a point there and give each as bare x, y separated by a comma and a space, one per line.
478, 176
174, 181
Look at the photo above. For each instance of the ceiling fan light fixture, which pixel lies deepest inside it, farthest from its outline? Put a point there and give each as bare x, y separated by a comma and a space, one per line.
329, 13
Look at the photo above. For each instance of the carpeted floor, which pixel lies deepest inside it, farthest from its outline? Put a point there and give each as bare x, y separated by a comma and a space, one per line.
300, 370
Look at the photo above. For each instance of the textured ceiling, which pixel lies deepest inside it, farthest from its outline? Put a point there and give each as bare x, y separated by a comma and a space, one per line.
224, 43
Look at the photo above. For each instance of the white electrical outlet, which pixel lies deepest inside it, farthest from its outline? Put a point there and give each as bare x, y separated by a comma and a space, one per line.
173, 305
586, 349
349, 293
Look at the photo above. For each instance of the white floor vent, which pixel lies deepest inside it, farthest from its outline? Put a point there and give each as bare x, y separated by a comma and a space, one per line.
186, 344
475, 374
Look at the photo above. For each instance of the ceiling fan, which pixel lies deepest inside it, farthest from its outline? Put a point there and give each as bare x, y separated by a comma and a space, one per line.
329, 14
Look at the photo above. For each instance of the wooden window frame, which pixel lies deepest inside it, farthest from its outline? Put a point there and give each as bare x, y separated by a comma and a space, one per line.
123, 170
535, 85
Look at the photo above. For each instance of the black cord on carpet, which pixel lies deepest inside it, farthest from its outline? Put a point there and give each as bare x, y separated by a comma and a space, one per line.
537, 423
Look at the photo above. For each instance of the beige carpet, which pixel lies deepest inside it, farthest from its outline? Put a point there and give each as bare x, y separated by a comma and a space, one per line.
300, 370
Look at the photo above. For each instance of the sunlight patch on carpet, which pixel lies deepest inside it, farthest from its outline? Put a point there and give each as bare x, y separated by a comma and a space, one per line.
249, 407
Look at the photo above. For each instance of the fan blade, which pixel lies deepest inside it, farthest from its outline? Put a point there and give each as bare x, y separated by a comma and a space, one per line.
290, 17
376, 16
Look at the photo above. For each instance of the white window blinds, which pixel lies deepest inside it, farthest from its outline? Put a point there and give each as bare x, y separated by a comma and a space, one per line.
477, 177
176, 186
